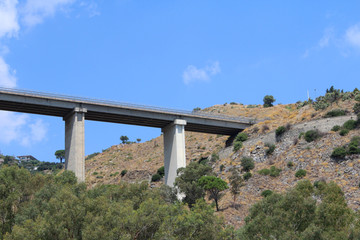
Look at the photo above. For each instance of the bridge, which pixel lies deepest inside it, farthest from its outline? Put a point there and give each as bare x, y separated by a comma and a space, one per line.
75, 110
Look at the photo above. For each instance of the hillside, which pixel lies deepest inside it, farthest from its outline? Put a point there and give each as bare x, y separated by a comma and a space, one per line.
141, 160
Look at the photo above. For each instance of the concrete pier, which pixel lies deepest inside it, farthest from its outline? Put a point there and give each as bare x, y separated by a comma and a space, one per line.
75, 142
174, 149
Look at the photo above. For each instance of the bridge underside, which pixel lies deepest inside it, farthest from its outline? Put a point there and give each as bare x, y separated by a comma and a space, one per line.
74, 112
118, 118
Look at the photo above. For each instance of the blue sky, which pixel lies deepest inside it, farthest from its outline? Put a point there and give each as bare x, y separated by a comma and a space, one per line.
177, 54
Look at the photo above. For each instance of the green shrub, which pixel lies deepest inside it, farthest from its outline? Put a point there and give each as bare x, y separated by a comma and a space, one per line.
266, 193
312, 135
301, 134
270, 148
335, 113
354, 145
336, 128
99, 177
242, 137
300, 173
264, 171
222, 166
237, 146
356, 108
95, 173
247, 175
290, 164
123, 172
247, 164
357, 97
156, 177
339, 153
343, 132
280, 131
161, 171
350, 125
274, 172
214, 157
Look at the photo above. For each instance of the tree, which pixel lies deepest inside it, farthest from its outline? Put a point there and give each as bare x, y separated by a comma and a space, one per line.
236, 182
247, 164
214, 186
124, 139
60, 154
187, 181
304, 212
268, 101
138, 140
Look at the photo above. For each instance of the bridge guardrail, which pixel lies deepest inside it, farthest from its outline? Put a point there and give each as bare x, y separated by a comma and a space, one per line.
126, 105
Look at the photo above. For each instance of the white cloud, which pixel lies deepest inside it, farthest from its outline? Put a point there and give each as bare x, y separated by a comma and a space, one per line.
8, 18
34, 11
352, 35
7, 76
192, 73
91, 8
325, 39
20, 128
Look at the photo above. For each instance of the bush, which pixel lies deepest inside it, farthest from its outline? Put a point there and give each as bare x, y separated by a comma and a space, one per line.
274, 172
312, 135
300, 173
336, 128
354, 145
268, 101
264, 171
247, 164
222, 166
357, 97
247, 176
335, 113
123, 172
290, 164
242, 137
270, 148
343, 132
356, 108
214, 157
350, 125
266, 193
161, 171
156, 177
280, 131
339, 153
237, 146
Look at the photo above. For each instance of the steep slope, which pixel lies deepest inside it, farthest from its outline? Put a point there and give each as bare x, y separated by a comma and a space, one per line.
142, 160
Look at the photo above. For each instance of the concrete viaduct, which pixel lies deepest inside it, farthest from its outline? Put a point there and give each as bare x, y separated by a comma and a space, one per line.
75, 110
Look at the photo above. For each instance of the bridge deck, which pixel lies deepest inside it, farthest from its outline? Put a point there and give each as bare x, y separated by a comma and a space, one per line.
109, 111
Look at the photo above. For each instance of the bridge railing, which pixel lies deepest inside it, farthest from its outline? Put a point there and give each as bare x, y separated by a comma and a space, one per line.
126, 105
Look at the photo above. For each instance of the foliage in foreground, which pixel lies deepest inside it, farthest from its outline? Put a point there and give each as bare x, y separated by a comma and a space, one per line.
297, 215
56, 207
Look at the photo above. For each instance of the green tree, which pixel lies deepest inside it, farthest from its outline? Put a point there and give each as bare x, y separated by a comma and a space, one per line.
60, 154
138, 140
187, 181
214, 186
247, 164
297, 215
268, 101
124, 139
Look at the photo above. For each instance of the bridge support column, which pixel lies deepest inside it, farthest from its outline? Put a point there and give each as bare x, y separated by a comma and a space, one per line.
174, 149
75, 142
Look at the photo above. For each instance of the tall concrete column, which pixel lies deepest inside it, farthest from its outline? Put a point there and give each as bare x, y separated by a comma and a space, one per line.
75, 142
174, 149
